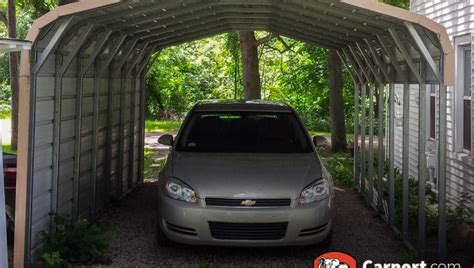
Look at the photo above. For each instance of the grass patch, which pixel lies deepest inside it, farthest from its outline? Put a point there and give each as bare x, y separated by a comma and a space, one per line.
6, 148
341, 167
5, 114
162, 126
152, 166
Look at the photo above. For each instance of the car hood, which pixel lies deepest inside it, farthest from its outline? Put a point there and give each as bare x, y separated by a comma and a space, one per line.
239, 175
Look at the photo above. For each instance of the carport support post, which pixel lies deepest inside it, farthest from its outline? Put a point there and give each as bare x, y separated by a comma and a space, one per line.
356, 132
362, 134
3, 219
442, 171
123, 82
405, 157
391, 155
371, 143
421, 169
107, 63
380, 158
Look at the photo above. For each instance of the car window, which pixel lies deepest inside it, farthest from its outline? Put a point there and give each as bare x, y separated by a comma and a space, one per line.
253, 132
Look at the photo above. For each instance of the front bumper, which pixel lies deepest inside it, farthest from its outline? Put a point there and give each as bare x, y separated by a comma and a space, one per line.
174, 215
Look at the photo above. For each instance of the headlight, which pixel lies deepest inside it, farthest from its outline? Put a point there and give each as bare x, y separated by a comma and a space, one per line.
316, 191
179, 190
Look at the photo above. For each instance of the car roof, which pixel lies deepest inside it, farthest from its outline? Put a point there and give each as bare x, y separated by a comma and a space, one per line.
245, 106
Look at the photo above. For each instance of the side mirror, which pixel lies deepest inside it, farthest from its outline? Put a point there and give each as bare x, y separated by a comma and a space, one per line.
319, 141
166, 139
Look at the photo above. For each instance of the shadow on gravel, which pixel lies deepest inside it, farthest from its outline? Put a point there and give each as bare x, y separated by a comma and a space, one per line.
358, 231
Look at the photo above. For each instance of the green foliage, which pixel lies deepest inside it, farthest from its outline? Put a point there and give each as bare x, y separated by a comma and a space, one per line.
5, 99
154, 161
25, 17
52, 258
75, 242
462, 212
185, 74
291, 72
398, 3
162, 126
341, 167
342, 171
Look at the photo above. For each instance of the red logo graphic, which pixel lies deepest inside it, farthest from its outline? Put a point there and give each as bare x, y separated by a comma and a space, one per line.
335, 260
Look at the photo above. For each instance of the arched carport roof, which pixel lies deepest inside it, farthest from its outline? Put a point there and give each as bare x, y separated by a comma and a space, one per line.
81, 119
366, 32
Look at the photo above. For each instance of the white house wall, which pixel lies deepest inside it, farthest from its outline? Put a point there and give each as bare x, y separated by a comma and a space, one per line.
458, 18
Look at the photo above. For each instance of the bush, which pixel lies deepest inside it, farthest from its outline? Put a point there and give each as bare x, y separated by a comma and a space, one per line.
75, 242
342, 170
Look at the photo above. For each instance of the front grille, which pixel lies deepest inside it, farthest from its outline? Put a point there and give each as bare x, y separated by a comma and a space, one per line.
224, 202
181, 230
313, 231
248, 231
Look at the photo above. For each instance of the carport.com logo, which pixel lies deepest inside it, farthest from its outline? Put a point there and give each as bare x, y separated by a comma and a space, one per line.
335, 260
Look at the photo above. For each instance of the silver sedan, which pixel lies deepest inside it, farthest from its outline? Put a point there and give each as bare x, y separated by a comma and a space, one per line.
244, 174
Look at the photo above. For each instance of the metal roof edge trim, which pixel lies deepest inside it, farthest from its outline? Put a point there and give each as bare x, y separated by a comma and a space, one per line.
70, 9
419, 19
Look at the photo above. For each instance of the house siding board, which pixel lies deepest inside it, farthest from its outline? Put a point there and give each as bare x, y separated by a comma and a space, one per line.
458, 18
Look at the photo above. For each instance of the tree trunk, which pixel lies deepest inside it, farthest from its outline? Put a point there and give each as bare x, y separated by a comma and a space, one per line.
251, 75
14, 83
336, 104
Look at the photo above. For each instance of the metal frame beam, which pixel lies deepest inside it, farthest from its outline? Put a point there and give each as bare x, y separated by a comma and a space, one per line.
210, 17
370, 183
354, 75
379, 62
352, 66
401, 47
442, 147
365, 58
361, 66
75, 50
232, 23
391, 155
393, 59
405, 157
380, 158
363, 134
422, 169
97, 49
219, 29
370, 21
423, 50
51, 45
181, 30
113, 51
138, 58
3, 218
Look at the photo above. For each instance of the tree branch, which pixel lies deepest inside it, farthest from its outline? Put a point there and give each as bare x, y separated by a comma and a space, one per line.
265, 39
288, 48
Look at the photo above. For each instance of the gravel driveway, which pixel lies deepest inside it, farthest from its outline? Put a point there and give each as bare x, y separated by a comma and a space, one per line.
358, 231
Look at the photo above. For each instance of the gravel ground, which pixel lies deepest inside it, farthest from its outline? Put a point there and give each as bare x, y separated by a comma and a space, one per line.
358, 231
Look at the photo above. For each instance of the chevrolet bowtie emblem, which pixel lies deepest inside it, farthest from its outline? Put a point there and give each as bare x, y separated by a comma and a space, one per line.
248, 203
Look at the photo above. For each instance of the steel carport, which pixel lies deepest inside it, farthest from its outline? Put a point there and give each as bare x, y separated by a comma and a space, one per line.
82, 99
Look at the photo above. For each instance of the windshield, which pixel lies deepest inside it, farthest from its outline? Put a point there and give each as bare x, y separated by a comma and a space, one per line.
244, 132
